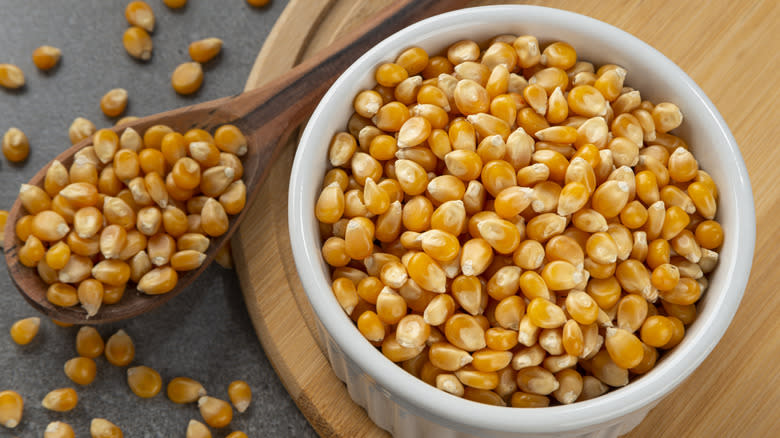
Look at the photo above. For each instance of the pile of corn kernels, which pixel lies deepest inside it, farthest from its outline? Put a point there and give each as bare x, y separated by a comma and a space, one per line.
130, 208
516, 226
143, 381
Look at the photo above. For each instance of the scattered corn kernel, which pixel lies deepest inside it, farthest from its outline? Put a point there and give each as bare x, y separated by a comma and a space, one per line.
139, 13
184, 390
138, 43
144, 381
205, 50
11, 408
16, 146
240, 395
61, 400
114, 102
11, 76
187, 78
24, 330
102, 428
58, 429
215, 412
119, 349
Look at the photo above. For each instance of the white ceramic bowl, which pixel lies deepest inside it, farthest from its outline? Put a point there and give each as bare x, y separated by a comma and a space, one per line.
402, 404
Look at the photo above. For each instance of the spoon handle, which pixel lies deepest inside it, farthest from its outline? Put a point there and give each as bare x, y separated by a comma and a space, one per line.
281, 105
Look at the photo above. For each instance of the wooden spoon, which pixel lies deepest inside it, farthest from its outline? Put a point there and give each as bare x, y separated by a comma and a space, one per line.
266, 115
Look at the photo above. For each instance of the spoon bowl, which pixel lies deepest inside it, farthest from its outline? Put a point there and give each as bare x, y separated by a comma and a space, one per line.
266, 116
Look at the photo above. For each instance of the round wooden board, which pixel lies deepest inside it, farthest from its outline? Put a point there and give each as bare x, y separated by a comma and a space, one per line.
714, 401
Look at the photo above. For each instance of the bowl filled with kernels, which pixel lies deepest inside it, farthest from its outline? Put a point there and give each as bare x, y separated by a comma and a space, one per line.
513, 207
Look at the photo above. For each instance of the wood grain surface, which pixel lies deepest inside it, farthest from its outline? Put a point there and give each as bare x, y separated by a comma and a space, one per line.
730, 49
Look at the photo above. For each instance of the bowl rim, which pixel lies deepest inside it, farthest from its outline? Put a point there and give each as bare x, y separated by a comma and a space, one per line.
406, 389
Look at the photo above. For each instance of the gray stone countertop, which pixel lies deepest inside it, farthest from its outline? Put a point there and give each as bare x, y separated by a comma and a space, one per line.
204, 333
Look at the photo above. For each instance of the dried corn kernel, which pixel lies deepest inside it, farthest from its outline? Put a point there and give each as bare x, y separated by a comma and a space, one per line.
16, 146
240, 395
11, 76
24, 330
102, 428
144, 381
119, 349
205, 50
11, 408
114, 102
187, 78
81, 370
184, 390
138, 43
61, 400
215, 412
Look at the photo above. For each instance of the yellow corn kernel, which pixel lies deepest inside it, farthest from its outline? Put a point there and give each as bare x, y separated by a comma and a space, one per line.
570, 386
34, 199
196, 429
90, 294
144, 381
473, 378
624, 348
545, 314
631, 312
130, 138
175, 4
63, 295
32, 252
102, 428
511, 201
61, 400
89, 343
24, 330
158, 280
56, 178
536, 380
215, 412
173, 147
448, 357
525, 400
464, 164
80, 194
551, 340
119, 349
58, 429
81, 370
46, 57
187, 78
367, 103
371, 327
184, 390
666, 116
138, 43
16, 146
138, 13
11, 408
469, 294
587, 101
709, 235
113, 294
573, 197
412, 331
704, 199
11, 76
610, 198
462, 136
114, 102
205, 50
463, 331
